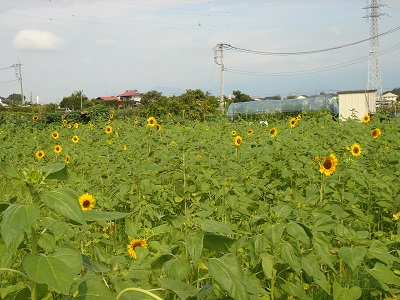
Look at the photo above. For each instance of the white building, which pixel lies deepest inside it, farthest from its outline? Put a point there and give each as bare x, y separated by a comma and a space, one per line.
356, 103
389, 97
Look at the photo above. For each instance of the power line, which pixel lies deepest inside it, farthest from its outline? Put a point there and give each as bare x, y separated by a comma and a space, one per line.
243, 50
311, 71
4, 82
5, 68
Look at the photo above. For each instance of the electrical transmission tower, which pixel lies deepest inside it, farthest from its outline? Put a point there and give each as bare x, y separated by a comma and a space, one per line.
374, 68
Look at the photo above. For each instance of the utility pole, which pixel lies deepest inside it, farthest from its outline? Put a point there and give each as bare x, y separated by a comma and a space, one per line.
18, 74
81, 100
374, 68
220, 48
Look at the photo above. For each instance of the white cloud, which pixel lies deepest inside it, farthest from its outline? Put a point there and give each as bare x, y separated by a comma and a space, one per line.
36, 40
105, 42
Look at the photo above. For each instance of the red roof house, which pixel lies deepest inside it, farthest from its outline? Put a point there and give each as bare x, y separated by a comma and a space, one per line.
130, 95
111, 98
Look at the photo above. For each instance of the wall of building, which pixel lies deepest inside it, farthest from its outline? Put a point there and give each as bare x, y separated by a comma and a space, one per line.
357, 103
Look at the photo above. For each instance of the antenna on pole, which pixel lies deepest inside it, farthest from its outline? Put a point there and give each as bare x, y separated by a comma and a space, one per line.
374, 68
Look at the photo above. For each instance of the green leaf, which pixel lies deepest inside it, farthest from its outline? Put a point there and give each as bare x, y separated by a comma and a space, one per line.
291, 254
93, 266
323, 222
16, 219
55, 171
65, 202
267, 261
378, 250
195, 246
352, 256
311, 266
258, 244
70, 256
274, 233
215, 227
296, 231
98, 216
6, 203
216, 242
206, 289
49, 270
227, 271
282, 211
93, 288
294, 289
47, 242
182, 289
340, 293
384, 275
177, 269
9, 171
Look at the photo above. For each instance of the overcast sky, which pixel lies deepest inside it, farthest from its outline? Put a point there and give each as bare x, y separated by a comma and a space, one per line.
105, 47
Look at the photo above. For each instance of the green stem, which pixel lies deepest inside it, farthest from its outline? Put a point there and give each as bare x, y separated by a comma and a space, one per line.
33, 251
272, 288
321, 190
138, 290
15, 271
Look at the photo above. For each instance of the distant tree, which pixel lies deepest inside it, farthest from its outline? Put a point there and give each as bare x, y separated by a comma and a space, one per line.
74, 100
16, 98
276, 97
396, 91
240, 97
151, 97
291, 97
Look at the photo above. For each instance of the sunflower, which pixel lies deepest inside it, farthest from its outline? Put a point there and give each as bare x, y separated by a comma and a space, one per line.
57, 149
67, 159
396, 217
273, 132
111, 116
35, 118
298, 117
233, 132
75, 139
108, 129
151, 122
39, 154
64, 122
69, 126
355, 149
366, 119
169, 116
376, 132
117, 134
329, 165
238, 140
158, 127
133, 244
293, 122
250, 132
136, 122
124, 147
55, 135
76, 125
86, 201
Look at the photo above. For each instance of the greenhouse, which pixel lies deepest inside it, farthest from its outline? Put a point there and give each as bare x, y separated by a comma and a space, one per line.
323, 102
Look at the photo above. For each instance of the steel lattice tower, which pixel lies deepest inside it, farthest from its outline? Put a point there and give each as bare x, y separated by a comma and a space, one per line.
374, 68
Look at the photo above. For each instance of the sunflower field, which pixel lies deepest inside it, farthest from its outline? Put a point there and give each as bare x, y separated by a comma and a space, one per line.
170, 208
